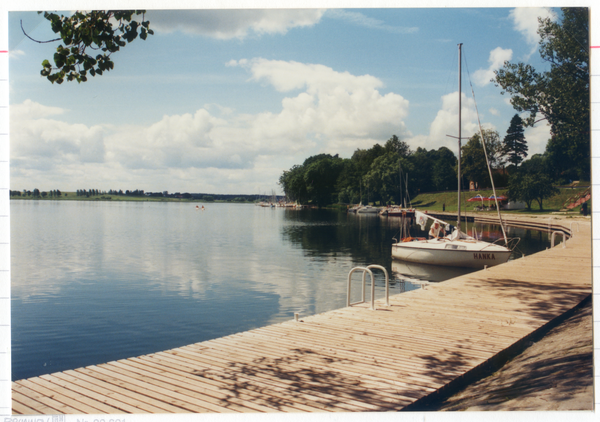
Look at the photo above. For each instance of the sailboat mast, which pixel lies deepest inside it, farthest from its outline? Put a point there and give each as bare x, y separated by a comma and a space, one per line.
459, 125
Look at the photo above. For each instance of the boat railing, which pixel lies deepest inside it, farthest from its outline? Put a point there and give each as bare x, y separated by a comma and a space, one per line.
511, 242
366, 270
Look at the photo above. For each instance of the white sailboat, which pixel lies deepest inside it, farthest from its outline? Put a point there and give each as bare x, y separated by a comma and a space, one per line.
456, 249
367, 209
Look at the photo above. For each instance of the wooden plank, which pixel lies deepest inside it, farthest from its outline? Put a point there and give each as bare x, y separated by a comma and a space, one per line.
240, 382
360, 359
48, 401
24, 404
204, 396
355, 327
94, 391
403, 347
79, 401
398, 358
160, 390
141, 400
306, 378
303, 365
21, 409
417, 323
324, 399
246, 396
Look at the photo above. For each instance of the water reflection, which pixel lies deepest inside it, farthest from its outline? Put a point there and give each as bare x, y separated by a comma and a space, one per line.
99, 281
424, 272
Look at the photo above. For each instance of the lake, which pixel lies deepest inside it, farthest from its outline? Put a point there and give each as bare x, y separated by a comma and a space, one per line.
94, 282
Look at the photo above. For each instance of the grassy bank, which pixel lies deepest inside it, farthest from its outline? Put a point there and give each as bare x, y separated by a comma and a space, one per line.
436, 201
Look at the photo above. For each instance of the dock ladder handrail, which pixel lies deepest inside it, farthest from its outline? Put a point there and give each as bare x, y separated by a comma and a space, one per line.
571, 227
564, 245
366, 270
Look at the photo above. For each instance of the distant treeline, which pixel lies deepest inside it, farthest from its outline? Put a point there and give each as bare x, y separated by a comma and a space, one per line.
36, 193
106, 194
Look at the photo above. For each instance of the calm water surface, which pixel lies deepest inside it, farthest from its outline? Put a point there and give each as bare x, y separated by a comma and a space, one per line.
94, 282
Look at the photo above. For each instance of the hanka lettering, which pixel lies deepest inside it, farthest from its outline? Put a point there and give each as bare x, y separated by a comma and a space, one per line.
484, 256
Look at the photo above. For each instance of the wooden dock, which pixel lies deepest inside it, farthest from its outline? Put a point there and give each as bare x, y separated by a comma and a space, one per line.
347, 360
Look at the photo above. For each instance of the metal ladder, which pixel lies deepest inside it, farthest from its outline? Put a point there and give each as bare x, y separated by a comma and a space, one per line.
366, 270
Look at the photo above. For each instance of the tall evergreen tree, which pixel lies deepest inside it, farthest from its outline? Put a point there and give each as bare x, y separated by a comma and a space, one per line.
514, 144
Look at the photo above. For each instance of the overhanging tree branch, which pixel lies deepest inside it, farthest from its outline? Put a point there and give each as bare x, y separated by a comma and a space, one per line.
40, 42
104, 30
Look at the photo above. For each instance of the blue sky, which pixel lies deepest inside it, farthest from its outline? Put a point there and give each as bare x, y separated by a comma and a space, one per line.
223, 101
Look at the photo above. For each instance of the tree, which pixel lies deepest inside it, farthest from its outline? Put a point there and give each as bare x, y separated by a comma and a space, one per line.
561, 94
320, 177
444, 170
529, 187
105, 30
514, 144
383, 180
394, 144
420, 175
293, 185
364, 158
474, 165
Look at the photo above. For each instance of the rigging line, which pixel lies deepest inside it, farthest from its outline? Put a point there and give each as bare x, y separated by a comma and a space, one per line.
487, 160
451, 76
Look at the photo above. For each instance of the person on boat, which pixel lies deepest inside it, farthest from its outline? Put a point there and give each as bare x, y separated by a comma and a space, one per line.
434, 231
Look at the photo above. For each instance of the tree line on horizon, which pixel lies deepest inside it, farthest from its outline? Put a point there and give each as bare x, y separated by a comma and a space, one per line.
103, 194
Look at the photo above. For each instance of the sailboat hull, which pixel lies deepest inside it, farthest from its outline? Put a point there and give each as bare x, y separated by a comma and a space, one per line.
367, 209
452, 253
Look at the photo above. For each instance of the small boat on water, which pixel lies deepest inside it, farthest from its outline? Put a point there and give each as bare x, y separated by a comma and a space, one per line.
354, 208
363, 209
367, 209
457, 249
397, 212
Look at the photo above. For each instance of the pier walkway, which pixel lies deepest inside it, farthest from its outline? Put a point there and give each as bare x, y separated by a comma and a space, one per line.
350, 359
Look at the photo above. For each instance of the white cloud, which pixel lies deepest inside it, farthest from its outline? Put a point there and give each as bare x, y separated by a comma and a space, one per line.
525, 20
537, 138
29, 110
13, 54
359, 19
329, 111
496, 60
345, 111
40, 142
443, 131
228, 24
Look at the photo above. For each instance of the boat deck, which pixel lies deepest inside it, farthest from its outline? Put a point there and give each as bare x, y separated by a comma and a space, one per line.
346, 360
